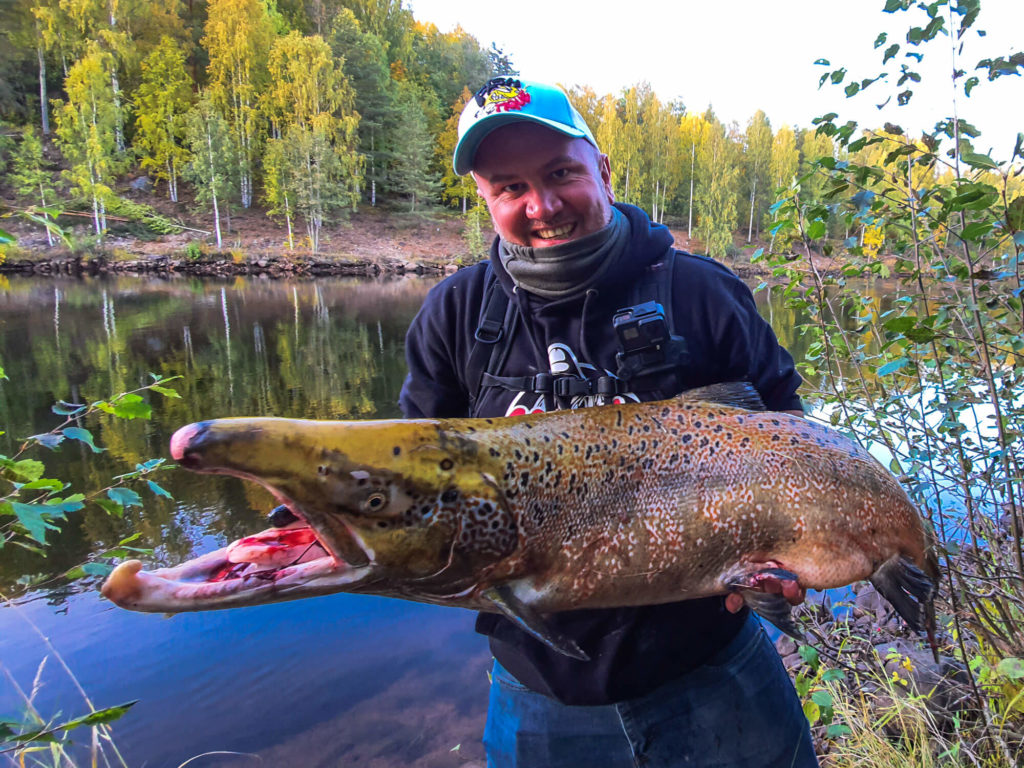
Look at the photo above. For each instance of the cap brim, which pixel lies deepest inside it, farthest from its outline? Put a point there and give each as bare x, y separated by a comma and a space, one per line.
465, 150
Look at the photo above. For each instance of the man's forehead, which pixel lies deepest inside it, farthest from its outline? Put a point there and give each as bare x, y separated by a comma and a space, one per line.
525, 142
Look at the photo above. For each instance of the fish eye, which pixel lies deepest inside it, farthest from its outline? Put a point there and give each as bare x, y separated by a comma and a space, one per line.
375, 502
447, 464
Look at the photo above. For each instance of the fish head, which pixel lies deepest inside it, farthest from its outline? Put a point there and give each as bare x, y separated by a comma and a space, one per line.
404, 508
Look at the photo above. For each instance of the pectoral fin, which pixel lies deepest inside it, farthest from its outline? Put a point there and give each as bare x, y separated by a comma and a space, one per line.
531, 622
772, 606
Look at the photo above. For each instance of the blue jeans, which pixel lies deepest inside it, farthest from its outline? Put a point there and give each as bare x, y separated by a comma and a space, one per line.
738, 709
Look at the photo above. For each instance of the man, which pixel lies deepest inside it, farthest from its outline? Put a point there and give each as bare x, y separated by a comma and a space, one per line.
690, 683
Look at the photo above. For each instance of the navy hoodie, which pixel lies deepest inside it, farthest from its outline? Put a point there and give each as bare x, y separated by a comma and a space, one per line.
632, 650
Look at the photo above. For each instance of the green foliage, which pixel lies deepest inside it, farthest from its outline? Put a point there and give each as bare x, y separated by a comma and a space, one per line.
161, 102
144, 214
213, 158
86, 131
932, 376
32, 505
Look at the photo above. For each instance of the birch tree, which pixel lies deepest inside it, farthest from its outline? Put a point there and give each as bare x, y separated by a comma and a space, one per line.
715, 195
238, 36
694, 131
161, 103
209, 141
317, 165
757, 156
85, 130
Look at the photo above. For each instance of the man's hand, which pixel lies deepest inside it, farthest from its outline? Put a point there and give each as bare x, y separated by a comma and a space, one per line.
788, 588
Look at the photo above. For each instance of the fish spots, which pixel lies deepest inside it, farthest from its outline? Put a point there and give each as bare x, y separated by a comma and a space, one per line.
449, 496
494, 452
447, 464
686, 438
396, 451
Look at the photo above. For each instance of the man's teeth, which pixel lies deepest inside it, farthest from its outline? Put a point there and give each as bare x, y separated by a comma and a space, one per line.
551, 234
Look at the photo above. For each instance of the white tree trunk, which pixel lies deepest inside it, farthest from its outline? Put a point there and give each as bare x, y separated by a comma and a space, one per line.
44, 104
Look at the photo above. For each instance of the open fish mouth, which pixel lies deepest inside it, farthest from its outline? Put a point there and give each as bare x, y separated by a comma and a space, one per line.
285, 562
273, 565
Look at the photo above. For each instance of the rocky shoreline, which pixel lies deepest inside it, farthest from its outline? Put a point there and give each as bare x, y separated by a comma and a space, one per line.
225, 265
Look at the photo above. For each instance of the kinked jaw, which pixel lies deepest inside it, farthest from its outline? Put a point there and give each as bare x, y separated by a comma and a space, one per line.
277, 564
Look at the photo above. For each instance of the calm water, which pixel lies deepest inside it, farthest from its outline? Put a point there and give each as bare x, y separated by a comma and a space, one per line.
340, 680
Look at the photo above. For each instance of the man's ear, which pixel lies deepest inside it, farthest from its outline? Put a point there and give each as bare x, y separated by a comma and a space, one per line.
604, 166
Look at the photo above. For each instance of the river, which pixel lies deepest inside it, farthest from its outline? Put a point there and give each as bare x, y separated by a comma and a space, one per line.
339, 680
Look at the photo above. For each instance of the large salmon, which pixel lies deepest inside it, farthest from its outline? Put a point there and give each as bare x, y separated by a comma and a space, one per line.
601, 507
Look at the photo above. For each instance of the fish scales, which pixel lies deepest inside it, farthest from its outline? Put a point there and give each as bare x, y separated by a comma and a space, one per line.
620, 505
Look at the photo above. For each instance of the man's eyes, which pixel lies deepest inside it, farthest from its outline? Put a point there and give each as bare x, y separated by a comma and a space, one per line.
561, 173
512, 188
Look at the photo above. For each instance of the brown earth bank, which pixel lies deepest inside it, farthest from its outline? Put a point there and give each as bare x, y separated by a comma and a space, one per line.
371, 241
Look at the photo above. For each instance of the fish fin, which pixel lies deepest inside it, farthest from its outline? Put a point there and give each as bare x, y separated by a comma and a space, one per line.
768, 605
531, 622
739, 394
909, 589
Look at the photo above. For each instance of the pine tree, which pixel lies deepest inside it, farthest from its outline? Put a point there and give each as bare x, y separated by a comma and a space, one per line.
366, 66
411, 172
29, 177
161, 102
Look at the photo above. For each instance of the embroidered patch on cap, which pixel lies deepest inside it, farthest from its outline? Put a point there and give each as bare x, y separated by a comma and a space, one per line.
501, 94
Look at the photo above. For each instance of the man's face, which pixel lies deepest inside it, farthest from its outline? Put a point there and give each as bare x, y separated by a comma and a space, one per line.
542, 188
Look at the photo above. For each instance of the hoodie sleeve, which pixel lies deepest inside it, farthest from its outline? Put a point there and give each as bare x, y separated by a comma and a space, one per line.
437, 348
755, 349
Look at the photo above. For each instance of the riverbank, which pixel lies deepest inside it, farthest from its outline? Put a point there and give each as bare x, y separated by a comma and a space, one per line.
370, 242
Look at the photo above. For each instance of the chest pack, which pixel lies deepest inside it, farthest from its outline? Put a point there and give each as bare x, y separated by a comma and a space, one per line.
648, 350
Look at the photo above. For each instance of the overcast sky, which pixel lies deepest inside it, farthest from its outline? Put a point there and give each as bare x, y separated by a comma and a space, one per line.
744, 55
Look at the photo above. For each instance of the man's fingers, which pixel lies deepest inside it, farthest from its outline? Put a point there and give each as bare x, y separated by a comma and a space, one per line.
733, 602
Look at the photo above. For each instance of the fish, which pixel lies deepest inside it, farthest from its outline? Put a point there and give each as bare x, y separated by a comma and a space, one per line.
612, 506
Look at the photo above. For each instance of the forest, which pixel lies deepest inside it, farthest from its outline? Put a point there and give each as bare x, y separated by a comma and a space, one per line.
305, 109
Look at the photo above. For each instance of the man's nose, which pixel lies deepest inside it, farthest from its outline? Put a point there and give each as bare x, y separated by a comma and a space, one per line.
542, 203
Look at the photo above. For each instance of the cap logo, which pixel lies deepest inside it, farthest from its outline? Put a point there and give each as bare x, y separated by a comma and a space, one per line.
501, 94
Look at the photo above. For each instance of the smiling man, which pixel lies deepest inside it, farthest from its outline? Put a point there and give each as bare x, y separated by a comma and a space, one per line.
585, 302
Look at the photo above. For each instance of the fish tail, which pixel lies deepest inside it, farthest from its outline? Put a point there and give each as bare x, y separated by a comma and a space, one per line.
910, 590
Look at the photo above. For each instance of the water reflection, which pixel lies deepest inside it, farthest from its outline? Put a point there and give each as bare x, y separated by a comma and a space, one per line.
330, 681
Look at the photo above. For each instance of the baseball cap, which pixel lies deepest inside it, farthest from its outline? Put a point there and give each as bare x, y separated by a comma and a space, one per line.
504, 100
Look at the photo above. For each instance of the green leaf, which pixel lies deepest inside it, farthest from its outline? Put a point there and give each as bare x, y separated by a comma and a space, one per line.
82, 435
816, 229
833, 674
44, 484
900, 324
892, 366
165, 391
62, 408
890, 52
34, 517
126, 497
809, 655
112, 508
1015, 214
812, 712
1011, 667
979, 161
880, 40
129, 406
158, 490
27, 469
6, 238
977, 230
822, 698
48, 440
89, 569
837, 730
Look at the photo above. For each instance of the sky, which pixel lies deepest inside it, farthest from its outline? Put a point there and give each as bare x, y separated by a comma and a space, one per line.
743, 55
